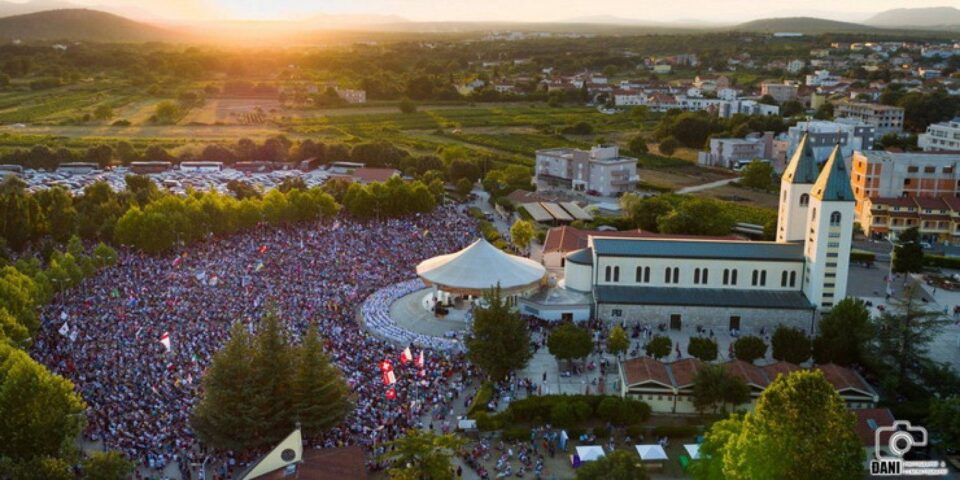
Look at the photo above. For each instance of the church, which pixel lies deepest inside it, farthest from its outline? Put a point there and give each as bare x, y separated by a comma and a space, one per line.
727, 283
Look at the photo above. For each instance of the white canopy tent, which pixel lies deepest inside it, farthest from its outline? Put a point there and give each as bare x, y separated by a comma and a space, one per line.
480, 267
651, 453
693, 449
589, 453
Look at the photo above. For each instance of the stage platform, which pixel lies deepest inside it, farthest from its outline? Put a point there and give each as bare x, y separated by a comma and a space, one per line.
412, 312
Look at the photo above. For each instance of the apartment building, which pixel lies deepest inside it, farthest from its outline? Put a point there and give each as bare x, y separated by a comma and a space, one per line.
941, 137
734, 153
601, 170
877, 177
937, 218
781, 92
887, 119
823, 135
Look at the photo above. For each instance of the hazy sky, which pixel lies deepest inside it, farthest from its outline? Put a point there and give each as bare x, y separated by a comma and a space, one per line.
520, 10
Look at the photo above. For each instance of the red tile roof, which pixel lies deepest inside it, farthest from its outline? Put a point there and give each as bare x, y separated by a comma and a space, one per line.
685, 370
748, 372
868, 419
775, 369
843, 378
645, 369
346, 463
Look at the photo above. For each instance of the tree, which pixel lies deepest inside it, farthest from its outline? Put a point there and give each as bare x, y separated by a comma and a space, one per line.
167, 112
464, 187
659, 346
908, 253
945, 420
790, 344
19, 295
40, 413
714, 448
499, 341
638, 145
749, 348
272, 379
791, 108
703, 348
223, 418
107, 466
697, 216
103, 112
407, 106
800, 428
645, 212
903, 337
757, 174
422, 455
843, 333
824, 112
617, 342
668, 145
618, 465
321, 397
521, 233
714, 387
569, 342
58, 211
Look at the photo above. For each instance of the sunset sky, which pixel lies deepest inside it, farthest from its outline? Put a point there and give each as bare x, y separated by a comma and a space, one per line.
519, 10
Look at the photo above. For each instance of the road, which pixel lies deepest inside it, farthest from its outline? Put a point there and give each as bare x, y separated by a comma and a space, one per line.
707, 186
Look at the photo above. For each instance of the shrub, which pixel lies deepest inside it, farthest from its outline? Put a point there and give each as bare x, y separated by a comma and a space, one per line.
601, 432
668, 146
609, 409
634, 412
487, 422
659, 346
790, 344
480, 401
582, 410
635, 431
938, 261
703, 348
516, 434
563, 415
749, 348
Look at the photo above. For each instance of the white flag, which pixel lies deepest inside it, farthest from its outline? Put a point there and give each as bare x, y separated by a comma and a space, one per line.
65, 329
165, 340
63, 315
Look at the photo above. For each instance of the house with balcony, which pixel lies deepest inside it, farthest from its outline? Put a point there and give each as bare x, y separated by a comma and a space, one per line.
601, 170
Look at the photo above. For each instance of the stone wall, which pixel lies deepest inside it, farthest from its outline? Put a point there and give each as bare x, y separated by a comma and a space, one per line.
718, 318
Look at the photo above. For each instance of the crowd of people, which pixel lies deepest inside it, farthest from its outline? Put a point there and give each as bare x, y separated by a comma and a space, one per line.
105, 335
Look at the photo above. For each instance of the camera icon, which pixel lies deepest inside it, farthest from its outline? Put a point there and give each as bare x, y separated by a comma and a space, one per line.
902, 437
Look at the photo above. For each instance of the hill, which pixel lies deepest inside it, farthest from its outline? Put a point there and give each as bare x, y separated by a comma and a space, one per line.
917, 17
807, 25
80, 24
17, 8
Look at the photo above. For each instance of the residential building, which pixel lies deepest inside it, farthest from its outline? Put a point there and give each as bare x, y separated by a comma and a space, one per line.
781, 92
668, 387
795, 66
941, 137
601, 170
851, 134
937, 218
352, 95
880, 175
735, 152
887, 119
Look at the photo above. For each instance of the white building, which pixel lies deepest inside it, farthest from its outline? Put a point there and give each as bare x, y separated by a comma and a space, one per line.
941, 137
795, 66
601, 170
822, 78
851, 134
739, 284
736, 152
352, 95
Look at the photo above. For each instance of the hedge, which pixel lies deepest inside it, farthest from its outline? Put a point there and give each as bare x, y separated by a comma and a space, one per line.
940, 261
569, 410
480, 401
862, 256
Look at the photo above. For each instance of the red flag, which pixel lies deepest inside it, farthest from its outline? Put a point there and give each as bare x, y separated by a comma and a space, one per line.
386, 366
406, 356
177, 261
389, 378
263, 249
391, 394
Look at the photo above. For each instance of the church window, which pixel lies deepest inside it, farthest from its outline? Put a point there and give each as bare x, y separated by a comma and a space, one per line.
706, 274
606, 274
804, 200
696, 275
754, 278
616, 274
726, 276
783, 279
763, 278
835, 219
793, 279
733, 277
639, 274
646, 274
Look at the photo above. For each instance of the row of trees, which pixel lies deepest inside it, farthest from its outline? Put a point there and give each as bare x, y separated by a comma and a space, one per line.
683, 214
259, 386
693, 129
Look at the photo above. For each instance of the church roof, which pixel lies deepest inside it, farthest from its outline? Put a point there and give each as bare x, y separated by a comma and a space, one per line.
703, 297
704, 249
833, 184
802, 168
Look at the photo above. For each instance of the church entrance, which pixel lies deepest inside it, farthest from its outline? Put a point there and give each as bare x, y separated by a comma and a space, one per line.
735, 322
675, 322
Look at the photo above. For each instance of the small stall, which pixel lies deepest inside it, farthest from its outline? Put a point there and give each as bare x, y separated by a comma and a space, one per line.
653, 456
586, 453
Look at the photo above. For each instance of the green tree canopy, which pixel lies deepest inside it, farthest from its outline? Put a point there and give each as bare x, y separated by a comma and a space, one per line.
697, 216
422, 455
790, 344
618, 342
521, 233
321, 396
749, 348
703, 348
908, 253
715, 388
659, 346
618, 465
843, 333
758, 174
499, 341
107, 466
569, 342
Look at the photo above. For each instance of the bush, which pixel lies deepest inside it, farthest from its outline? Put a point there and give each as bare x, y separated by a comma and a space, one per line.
563, 415
609, 409
516, 434
790, 344
749, 348
668, 146
703, 348
862, 256
407, 106
937, 261
601, 432
487, 422
659, 346
121, 123
580, 128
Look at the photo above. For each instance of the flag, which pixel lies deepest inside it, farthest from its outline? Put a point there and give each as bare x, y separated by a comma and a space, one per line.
214, 280
391, 394
165, 340
65, 329
259, 267
422, 373
386, 366
177, 261
262, 249
115, 293
406, 356
426, 232
389, 378
420, 362
63, 316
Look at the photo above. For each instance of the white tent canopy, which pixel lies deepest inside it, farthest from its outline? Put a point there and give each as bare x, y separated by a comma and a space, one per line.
693, 449
479, 267
590, 453
651, 452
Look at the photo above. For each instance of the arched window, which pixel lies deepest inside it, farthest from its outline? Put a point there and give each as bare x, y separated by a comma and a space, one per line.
646, 274
793, 279
666, 275
783, 279
676, 274
753, 278
804, 199
639, 274
606, 274
733, 277
835, 219
763, 278
696, 275
813, 214
616, 274
726, 276
706, 276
